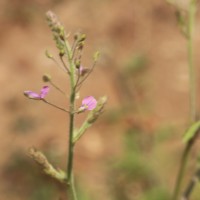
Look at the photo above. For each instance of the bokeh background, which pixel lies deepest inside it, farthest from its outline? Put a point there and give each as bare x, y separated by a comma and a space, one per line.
133, 151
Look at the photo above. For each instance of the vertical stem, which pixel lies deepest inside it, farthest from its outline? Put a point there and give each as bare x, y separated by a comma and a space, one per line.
70, 178
71, 146
192, 11
73, 189
181, 171
192, 83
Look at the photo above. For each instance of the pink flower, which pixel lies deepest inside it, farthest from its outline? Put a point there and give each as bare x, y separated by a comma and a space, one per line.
88, 103
37, 96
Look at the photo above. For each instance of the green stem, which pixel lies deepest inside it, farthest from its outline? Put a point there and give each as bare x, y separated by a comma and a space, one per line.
71, 124
55, 106
73, 189
181, 170
192, 11
71, 146
65, 66
192, 83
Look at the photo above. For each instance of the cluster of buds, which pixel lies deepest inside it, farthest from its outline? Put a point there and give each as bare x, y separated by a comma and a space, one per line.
58, 31
46, 166
73, 54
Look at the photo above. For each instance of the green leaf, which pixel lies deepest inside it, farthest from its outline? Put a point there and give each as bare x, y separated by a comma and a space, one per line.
191, 132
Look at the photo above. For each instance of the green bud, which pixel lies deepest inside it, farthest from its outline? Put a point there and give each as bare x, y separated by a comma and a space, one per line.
46, 78
48, 55
53, 22
82, 38
76, 36
96, 56
81, 45
77, 64
62, 52
62, 34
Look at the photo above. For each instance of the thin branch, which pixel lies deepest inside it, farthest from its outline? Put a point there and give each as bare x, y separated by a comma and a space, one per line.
64, 64
56, 87
74, 45
55, 106
58, 65
78, 86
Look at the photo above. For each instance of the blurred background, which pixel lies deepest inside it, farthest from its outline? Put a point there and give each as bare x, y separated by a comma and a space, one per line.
133, 151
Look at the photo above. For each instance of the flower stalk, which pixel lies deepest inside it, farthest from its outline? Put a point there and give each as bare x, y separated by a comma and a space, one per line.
77, 75
192, 84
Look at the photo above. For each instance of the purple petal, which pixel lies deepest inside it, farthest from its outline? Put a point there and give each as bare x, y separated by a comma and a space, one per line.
44, 91
89, 102
32, 95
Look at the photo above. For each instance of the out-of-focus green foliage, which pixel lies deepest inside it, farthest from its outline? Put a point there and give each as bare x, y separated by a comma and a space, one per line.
24, 124
156, 193
82, 192
135, 64
132, 176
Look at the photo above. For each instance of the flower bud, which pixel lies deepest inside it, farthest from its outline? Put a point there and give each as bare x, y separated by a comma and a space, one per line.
62, 52
96, 56
53, 21
81, 45
48, 55
39, 157
77, 64
46, 78
76, 36
47, 167
82, 38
